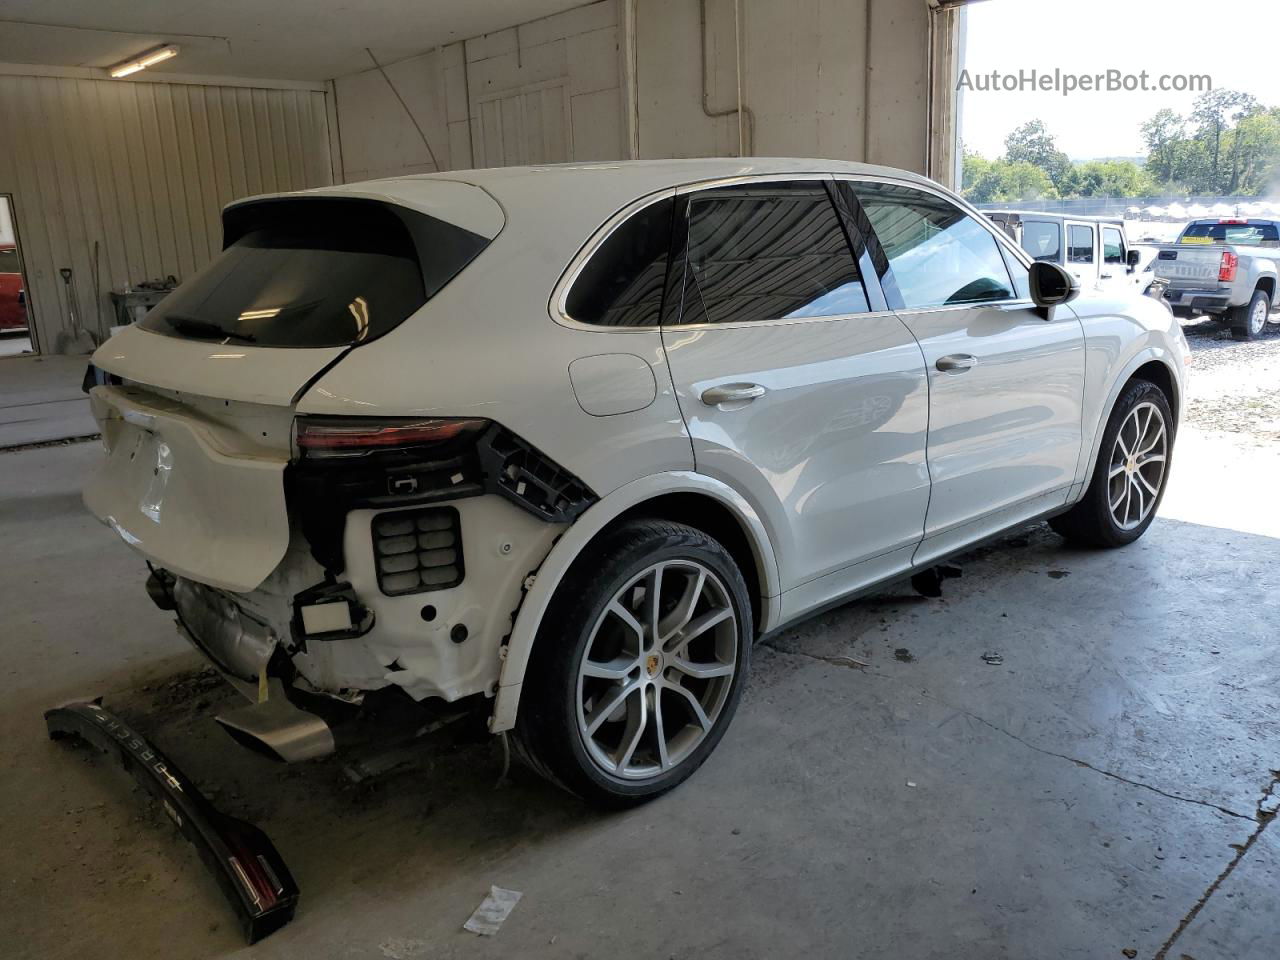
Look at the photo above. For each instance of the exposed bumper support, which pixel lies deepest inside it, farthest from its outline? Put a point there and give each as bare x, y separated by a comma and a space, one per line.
250, 871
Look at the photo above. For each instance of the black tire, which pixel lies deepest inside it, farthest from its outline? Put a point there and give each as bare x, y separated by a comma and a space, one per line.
547, 735
1244, 325
1090, 522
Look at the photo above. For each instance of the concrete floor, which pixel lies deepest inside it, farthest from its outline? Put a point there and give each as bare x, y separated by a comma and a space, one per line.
1102, 790
13, 344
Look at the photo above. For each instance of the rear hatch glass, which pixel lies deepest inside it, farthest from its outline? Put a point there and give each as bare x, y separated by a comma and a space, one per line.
316, 272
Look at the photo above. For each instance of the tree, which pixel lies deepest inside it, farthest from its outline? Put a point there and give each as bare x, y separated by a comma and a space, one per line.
1162, 134
999, 181
1112, 178
1253, 151
1213, 113
1032, 143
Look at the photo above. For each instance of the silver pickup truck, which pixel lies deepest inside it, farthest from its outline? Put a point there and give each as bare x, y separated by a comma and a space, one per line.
1224, 268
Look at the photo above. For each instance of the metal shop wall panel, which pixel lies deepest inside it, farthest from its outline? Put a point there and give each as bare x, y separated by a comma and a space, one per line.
143, 169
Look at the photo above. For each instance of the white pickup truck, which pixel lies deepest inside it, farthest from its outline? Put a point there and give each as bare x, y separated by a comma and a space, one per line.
1224, 268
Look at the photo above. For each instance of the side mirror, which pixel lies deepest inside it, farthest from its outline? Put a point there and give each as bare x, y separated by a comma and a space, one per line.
1135, 257
1051, 285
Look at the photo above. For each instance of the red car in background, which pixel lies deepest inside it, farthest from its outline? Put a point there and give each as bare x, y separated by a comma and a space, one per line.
13, 300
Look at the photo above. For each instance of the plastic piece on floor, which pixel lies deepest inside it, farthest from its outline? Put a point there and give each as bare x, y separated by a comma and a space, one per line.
250, 871
493, 910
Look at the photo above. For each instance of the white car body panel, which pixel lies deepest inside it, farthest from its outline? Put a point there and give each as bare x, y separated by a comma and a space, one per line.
1006, 429
833, 455
237, 372
186, 492
829, 474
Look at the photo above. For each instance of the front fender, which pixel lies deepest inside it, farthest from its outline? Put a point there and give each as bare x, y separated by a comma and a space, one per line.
1144, 355
567, 549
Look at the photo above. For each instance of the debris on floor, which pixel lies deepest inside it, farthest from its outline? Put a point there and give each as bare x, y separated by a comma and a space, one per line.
928, 583
903, 654
248, 868
843, 661
494, 909
993, 658
1059, 574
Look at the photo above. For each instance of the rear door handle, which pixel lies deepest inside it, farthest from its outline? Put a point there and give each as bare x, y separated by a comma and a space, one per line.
732, 393
957, 363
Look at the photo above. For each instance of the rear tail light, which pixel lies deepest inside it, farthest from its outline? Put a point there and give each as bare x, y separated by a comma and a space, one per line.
1227, 271
349, 437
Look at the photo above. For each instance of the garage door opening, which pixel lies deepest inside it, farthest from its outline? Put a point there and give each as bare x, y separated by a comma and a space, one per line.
15, 331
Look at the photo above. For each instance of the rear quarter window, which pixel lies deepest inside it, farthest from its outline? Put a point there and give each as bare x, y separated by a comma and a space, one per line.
621, 284
316, 272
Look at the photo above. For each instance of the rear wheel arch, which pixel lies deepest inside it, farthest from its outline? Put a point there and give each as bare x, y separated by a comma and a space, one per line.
1268, 286
717, 521
697, 500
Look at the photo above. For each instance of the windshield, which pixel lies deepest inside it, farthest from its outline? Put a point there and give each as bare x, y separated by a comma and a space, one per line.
321, 272
1242, 234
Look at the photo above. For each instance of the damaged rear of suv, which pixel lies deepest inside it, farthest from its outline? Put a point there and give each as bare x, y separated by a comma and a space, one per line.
341, 449
320, 559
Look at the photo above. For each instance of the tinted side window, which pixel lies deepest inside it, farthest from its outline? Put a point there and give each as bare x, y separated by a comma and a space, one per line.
768, 252
1080, 244
1043, 240
621, 285
938, 254
1112, 245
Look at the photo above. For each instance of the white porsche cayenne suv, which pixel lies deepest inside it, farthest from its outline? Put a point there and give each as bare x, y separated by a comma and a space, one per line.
558, 443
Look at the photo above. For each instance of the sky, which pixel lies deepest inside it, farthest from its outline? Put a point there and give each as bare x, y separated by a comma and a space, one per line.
1092, 36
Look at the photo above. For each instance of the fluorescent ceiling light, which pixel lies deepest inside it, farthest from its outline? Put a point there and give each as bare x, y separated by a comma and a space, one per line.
148, 59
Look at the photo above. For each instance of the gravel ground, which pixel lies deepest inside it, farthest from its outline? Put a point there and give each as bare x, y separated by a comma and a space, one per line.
1234, 386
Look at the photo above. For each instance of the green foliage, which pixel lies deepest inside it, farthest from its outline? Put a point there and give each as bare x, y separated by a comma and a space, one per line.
1032, 143
999, 181
1110, 178
1228, 145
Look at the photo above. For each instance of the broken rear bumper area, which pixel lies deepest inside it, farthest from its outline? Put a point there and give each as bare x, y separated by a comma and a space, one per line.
250, 871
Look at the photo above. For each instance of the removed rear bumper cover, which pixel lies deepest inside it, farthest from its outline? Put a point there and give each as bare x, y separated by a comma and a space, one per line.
247, 866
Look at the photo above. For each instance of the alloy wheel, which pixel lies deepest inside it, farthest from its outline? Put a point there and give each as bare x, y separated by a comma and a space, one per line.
657, 669
1137, 466
1258, 318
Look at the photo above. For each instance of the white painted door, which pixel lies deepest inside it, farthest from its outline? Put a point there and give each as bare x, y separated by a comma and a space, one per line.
1006, 386
1115, 276
1083, 255
797, 395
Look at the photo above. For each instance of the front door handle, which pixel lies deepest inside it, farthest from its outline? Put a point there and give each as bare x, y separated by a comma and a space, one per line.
732, 393
957, 363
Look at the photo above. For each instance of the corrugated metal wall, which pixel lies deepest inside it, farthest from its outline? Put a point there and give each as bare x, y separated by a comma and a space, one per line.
143, 170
